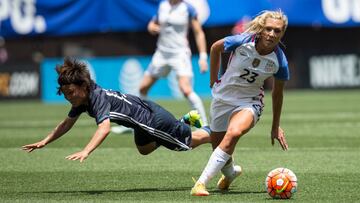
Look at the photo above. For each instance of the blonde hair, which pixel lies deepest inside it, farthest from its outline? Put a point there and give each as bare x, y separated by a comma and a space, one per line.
256, 26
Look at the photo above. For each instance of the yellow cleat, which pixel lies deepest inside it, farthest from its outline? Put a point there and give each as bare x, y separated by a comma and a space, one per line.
225, 182
193, 119
199, 190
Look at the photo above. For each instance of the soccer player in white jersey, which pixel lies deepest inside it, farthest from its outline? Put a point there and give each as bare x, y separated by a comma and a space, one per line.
238, 94
171, 23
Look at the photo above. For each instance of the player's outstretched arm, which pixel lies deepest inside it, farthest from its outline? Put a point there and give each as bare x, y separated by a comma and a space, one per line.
201, 44
279, 135
215, 58
32, 147
277, 101
101, 133
59, 130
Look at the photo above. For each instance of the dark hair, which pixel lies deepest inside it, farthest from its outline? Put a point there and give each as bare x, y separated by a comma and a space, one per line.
73, 71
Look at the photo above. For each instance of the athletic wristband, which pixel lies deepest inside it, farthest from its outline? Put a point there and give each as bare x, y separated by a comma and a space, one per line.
203, 56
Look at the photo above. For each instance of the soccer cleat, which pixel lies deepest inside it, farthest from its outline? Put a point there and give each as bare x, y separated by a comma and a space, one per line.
199, 190
193, 119
224, 182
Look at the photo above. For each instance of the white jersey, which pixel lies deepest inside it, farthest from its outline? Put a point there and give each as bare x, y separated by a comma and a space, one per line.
174, 21
247, 70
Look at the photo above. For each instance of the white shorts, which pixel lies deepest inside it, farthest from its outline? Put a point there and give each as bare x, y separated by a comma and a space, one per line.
162, 63
220, 113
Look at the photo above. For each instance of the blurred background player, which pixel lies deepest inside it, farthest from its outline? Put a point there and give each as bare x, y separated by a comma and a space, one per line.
238, 95
153, 125
171, 23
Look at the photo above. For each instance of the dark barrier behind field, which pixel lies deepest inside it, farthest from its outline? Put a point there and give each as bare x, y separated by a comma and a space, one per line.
19, 80
318, 57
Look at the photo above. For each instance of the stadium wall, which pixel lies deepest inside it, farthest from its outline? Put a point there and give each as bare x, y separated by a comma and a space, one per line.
19, 80
124, 74
318, 57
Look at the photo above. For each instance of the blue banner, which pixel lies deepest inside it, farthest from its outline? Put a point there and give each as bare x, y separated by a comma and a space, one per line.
327, 13
123, 74
69, 17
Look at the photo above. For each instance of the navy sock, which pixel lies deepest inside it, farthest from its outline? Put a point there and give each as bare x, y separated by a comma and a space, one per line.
207, 129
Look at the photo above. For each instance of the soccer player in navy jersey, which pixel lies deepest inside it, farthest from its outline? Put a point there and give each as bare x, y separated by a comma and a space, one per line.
238, 94
153, 125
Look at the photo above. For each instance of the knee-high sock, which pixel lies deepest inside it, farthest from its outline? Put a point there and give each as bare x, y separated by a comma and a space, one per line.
228, 169
196, 103
216, 162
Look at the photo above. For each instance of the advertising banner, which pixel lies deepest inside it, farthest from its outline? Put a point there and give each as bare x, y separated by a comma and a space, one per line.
335, 71
70, 17
19, 81
123, 74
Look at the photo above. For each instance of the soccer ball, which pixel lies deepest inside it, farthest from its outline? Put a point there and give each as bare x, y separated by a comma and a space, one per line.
281, 183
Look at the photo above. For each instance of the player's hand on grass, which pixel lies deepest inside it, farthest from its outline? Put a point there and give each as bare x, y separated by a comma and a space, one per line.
32, 147
78, 156
279, 135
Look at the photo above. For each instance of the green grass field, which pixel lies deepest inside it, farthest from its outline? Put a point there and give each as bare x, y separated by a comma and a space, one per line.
322, 128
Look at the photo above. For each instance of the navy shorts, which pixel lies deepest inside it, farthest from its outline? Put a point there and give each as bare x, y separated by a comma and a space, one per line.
165, 130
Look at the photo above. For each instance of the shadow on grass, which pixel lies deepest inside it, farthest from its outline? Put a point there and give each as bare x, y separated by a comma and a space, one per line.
97, 192
141, 190
236, 192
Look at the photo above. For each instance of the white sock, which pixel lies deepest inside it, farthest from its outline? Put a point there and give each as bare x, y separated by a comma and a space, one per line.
196, 103
228, 169
216, 162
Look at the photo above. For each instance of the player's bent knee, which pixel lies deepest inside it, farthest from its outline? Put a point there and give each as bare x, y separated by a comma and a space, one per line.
144, 152
235, 132
147, 149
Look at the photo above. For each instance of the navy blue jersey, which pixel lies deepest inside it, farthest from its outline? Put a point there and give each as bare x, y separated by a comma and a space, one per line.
143, 116
123, 109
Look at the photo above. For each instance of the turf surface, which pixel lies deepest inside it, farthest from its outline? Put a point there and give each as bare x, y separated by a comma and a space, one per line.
322, 128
